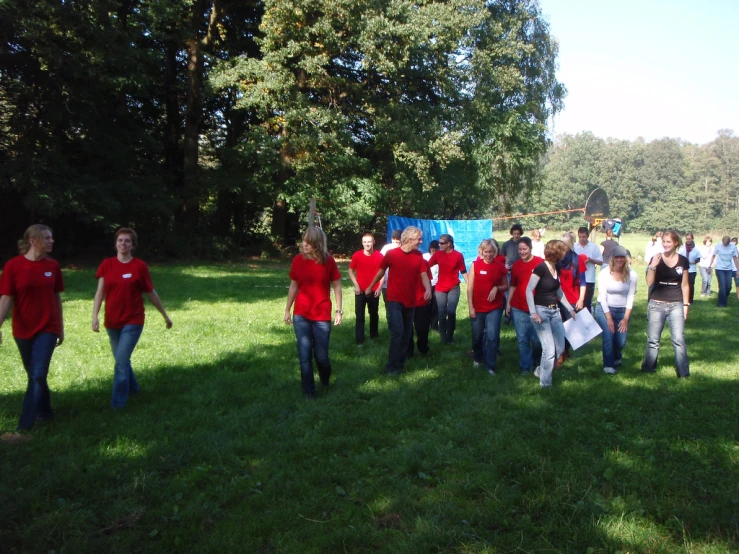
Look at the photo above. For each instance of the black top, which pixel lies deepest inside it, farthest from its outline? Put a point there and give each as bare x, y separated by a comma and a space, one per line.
667, 280
545, 293
608, 247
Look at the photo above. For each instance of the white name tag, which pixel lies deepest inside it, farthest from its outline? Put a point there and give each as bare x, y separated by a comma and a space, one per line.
126, 275
483, 272
48, 274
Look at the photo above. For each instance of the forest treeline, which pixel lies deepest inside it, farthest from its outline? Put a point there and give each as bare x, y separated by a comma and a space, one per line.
208, 125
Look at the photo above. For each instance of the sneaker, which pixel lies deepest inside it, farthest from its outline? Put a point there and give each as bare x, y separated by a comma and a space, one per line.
536, 372
491, 372
475, 364
609, 370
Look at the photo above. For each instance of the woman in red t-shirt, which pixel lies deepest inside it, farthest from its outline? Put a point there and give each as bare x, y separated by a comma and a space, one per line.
32, 282
313, 274
486, 283
572, 276
122, 280
451, 264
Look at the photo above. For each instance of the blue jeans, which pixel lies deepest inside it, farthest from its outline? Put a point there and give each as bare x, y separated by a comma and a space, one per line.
657, 313
122, 342
551, 333
400, 324
706, 277
373, 304
36, 355
529, 347
723, 276
613, 343
447, 302
486, 337
312, 337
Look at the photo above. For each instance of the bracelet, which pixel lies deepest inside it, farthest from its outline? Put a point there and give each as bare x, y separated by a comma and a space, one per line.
686, 305
340, 312
652, 268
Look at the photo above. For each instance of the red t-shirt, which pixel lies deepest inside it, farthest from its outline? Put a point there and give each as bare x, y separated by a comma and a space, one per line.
314, 287
570, 285
486, 277
33, 286
366, 268
405, 272
450, 265
124, 283
501, 258
421, 290
520, 275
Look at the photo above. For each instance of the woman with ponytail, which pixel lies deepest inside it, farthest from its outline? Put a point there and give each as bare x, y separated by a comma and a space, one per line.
32, 282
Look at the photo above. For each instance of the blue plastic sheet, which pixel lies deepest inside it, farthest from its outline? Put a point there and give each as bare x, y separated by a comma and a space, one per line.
467, 233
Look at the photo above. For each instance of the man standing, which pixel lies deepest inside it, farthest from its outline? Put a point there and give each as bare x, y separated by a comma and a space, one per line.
394, 243
591, 250
363, 267
510, 250
405, 266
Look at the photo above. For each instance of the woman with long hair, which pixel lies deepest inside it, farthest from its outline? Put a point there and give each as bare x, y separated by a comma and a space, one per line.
487, 280
667, 274
123, 280
704, 265
572, 268
724, 266
537, 246
543, 296
616, 292
451, 264
32, 283
313, 274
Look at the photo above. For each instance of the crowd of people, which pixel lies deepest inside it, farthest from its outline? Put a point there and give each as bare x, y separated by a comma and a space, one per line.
535, 286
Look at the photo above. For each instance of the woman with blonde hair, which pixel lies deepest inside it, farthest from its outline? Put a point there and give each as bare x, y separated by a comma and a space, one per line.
704, 265
616, 292
123, 280
537, 246
543, 296
32, 282
313, 274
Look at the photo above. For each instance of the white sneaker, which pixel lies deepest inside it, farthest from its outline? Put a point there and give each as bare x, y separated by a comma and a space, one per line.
536, 372
475, 364
609, 370
491, 372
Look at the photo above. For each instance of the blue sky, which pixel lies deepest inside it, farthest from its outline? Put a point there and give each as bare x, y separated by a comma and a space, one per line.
649, 68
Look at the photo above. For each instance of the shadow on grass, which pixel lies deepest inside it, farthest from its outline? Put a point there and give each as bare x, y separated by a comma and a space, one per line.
226, 455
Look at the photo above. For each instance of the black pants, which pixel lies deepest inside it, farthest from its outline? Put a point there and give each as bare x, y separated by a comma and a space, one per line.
691, 281
372, 303
589, 292
421, 325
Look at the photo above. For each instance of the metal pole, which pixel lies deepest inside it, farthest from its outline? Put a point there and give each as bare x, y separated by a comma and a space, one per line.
312, 213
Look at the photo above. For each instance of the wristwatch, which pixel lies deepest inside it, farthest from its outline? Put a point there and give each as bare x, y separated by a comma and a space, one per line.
340, 312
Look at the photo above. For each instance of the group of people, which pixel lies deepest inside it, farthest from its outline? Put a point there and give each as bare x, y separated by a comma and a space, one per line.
32, 284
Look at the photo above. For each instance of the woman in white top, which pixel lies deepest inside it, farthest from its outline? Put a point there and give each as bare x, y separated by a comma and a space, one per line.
724, 266
616, 291
653, 247
704, 265
537, 246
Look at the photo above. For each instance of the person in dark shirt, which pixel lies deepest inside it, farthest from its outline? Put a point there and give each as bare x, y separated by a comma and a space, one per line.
668, 275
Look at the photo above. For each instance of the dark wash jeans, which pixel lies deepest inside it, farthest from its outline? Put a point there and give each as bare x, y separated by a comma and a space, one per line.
723, 276
447, 303
657, 314
400, 324
529, 347
372, 303
486, 337
421, 326
313, 338
36, 355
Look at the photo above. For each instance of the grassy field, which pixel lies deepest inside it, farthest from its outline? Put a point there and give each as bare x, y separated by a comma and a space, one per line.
220, 453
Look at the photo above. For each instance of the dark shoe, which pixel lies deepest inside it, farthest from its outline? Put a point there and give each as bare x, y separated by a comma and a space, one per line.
393, 372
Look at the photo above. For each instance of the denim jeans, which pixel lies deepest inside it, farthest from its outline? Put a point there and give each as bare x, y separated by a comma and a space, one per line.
529, 347
657, 313
613, 343
312, 338
706, 277
36, 355
447, 303
373, 304
400, 324
486, 337
421, 326
551, 333
122, 342
723, 276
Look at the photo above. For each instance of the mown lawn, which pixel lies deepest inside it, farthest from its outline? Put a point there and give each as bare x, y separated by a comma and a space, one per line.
220, 453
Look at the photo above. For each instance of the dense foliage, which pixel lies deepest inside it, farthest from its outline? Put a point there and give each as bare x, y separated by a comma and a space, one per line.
215, 121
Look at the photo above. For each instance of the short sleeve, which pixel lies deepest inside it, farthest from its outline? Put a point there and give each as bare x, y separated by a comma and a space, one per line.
101, 269
333, 270
295, 269
353, 264
7, 281
460, 264
58, 280
539, 271
145, 278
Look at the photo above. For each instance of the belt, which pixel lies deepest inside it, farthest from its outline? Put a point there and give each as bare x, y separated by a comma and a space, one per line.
551, 306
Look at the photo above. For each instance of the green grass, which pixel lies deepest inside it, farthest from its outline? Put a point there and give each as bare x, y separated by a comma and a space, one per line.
219, 452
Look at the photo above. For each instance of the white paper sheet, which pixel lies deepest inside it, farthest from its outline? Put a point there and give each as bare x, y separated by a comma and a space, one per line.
582, 329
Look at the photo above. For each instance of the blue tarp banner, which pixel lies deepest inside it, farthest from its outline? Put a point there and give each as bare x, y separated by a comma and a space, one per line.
467, 233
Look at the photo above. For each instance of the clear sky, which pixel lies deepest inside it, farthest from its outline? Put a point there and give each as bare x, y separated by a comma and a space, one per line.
647, 68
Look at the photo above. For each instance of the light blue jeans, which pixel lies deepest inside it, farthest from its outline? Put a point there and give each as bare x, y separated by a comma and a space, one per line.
123, 341
551, 333
529, 347
657, 314
706, 278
